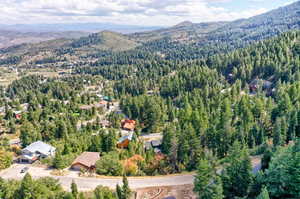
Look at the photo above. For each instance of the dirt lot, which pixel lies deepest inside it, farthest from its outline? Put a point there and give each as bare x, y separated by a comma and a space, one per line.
168, 192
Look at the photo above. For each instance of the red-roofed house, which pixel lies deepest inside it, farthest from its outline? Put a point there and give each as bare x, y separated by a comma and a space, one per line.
128, 124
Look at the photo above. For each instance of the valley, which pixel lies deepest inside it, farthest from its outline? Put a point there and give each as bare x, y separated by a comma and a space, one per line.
196, 110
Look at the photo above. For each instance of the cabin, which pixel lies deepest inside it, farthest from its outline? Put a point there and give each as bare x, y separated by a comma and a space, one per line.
86, 161
124, 141
128, 125
35, 151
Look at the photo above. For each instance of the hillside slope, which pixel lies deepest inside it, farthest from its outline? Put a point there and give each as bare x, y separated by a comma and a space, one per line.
185, 31
105, 40
11, 38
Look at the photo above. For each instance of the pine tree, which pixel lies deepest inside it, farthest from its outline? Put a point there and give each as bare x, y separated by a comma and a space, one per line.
278, 139
207, 184
237, 176
168, 135
74, 189
265, 161
25, 191
126, 192
58, 161
264, 194
119, 192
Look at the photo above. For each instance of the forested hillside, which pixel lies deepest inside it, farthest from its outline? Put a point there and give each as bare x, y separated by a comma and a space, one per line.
214, 96
181, 42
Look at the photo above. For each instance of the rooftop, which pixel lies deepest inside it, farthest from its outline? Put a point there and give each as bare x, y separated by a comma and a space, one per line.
129, 137
88, 159
40, 147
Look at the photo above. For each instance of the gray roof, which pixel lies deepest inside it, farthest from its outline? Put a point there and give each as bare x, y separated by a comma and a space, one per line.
156, 143
40, 147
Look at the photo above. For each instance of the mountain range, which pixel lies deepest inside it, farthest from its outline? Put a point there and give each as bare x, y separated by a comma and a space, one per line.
11, 35
183, 41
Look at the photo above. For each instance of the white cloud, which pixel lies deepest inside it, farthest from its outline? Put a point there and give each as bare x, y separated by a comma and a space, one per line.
139, 12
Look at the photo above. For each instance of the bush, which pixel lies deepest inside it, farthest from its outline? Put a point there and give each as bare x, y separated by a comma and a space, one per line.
110, 165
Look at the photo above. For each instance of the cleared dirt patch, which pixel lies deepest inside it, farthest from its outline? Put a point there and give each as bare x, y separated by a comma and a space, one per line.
177, 192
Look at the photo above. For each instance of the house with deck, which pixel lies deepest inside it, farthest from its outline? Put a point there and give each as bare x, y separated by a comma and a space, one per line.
35, 151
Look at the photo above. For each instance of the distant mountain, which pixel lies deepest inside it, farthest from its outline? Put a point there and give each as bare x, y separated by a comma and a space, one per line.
186, 40
81, 27
260, 27
11, 38
181, 32
11, 35
191, 40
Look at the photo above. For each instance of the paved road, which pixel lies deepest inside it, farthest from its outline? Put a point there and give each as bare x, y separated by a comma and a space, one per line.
86, 183
153, 136
90, 183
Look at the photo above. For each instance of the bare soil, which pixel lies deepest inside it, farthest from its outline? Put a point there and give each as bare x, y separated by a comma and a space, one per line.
177, 192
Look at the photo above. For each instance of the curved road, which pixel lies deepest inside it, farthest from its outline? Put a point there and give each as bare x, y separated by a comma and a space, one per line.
90, 183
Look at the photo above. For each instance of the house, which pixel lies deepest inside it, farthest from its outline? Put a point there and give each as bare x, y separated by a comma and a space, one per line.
104, 123
128, 124
2, 110
107, 98
86, 161
156, 144
102, 104
15, 142
35, 151
86, 107
124, 141
25, 106
17, 114
260, 83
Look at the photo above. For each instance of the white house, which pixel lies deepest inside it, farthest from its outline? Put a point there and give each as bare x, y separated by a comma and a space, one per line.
35, 151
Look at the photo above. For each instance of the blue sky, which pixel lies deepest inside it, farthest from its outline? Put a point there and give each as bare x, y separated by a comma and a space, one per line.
131, 12
237, 5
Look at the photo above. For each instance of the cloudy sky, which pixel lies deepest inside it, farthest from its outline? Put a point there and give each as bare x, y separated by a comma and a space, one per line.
133, 12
